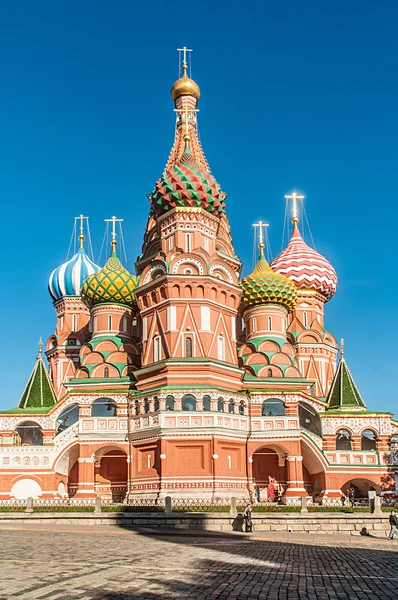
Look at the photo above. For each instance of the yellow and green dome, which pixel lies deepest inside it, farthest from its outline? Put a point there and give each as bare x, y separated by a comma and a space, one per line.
111, 284
265, 286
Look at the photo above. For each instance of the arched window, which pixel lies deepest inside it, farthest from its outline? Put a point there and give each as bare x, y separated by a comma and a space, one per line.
309, 418
95, 324
368, 440
189, 402
270, 323
74, 322
220, 405
242, 408
169, 402
188, 347
106, 372
28, 433
254, 325
188, 242
109, 322
146, 405
124, 324
305, 320
343, 440
157, 349
103, 407
156, 404
206, 403
231, 406
269, 372
273, 407
69, 416
221, 348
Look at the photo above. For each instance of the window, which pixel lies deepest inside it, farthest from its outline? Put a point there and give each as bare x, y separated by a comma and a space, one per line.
188, 242
95, 324
28, 433
144, 329
146, 405
103, 407
242, 408
124, 324
231, 406
206, 403
106, 372
233, 328
109, 322
270, 323
149, 461
220, 405
188, 347
343, 440
156, 404
309, 418
254, 325
169, 402
189, 402
305, 321
229, 462
273, 407
221, 348
74, 322
68, 417
90, 325
368, 440
156, 349
206, 243
170, 243
269, 372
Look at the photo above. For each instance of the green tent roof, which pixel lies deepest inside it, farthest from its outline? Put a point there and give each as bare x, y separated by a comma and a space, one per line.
39, 391
344, 394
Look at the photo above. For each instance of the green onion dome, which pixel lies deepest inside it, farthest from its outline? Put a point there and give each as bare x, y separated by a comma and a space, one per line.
265, 286
187, 184
111, 284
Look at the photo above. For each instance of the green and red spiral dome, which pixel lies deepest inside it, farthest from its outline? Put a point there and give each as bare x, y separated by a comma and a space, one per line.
187, 184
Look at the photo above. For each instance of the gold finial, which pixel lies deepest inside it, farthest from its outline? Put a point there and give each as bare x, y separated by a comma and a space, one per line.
184, 51
260, 226
40, 347
342, 349
113, 220
81, 235
294, 197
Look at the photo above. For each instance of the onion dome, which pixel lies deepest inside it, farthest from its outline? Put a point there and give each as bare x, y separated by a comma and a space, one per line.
185, 86
306, 267
186, 183
264, 286
67, 279
112, 284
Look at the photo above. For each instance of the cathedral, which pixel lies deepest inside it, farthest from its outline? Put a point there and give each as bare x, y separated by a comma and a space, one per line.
185, 380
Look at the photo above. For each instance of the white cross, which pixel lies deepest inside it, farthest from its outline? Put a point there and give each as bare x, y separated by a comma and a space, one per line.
260, 225
81, 219
294, 196
113, 220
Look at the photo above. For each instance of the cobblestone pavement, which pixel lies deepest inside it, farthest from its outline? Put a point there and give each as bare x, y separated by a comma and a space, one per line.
118, 565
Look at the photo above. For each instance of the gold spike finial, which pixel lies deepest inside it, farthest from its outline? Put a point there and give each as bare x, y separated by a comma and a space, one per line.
294, 197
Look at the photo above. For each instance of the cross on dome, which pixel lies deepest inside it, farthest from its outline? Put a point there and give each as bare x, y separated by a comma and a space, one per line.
113, 220
81, 218
184, 51
294, 197
260, 226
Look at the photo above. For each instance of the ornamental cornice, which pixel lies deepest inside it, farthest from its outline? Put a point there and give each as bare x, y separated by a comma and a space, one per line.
331, 424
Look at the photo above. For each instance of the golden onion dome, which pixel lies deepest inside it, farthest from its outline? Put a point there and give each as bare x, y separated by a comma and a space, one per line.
185, 86
265, 286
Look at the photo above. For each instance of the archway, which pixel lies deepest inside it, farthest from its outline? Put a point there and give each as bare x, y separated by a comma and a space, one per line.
361, 488
110, 474
269, 473
28, 433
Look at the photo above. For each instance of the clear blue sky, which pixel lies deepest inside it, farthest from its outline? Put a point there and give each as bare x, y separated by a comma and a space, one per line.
295, 95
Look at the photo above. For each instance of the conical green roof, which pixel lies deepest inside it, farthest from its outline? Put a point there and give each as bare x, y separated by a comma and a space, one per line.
344, 394
39, 391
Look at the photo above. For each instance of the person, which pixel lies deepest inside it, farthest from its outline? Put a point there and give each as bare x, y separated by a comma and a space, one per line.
393, 524
256, 496
271, 489
247, 517
351, 495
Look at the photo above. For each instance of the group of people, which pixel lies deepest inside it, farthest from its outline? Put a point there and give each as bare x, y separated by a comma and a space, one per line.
270, 493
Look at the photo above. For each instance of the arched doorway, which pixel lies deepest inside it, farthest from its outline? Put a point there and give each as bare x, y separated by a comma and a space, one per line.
269, 473
361, 488
110, 474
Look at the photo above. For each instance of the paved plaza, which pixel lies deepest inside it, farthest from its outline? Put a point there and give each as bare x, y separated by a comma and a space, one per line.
117, 564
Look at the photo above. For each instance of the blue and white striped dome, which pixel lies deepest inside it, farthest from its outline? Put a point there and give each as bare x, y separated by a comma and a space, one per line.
67, 279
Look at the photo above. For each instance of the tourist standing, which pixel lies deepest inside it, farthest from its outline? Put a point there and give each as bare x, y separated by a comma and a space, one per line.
247, 517
393, 524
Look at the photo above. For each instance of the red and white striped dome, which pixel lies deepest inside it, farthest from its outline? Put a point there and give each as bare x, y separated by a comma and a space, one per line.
306, 267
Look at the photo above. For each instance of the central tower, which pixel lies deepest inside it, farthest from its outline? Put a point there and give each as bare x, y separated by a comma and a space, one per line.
188, 292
